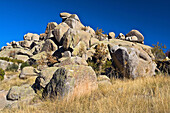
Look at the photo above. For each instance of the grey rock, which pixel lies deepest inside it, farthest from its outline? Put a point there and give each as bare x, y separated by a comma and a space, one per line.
4, 64
28, 71
20, 92
71, 80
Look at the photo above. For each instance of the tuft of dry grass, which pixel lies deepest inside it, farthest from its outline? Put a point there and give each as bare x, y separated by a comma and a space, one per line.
15, 81
149, 94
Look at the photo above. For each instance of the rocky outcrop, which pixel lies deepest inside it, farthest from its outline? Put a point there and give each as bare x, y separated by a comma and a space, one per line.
71, 80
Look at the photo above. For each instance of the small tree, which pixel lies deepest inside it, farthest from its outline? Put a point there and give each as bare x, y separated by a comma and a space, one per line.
158, 51
100, 55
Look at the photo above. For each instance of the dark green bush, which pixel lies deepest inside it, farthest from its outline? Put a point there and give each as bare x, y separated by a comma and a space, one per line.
2, 73
25, 64
13, 67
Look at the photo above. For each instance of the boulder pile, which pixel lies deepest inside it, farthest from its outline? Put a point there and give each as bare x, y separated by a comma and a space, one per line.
59, 58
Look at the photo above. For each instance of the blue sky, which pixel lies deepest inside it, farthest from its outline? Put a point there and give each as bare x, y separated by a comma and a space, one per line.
150, 17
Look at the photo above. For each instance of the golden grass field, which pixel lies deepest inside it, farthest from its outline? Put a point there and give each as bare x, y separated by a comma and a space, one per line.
142, 95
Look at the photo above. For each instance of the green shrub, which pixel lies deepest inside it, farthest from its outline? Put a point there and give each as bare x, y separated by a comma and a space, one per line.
25, 64
13, 67
11, 60
2, 73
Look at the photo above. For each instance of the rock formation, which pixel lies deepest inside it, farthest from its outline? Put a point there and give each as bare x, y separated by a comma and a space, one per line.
60, 55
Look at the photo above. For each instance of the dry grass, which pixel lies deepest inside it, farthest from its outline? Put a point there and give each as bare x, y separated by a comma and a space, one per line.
143, 95
15, 81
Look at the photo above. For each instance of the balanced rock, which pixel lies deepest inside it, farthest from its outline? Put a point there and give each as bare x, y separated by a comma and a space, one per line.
137, 34
65, 15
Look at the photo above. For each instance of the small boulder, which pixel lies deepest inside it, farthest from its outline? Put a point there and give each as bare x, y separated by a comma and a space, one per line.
66, 54
20, 93
103, 80
22, 57
72, 61
121, 36
111, 35
27, 71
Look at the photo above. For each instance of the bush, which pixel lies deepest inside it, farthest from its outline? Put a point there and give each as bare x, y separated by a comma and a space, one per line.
25, 64
158, 51
11, 60
13, 67
2, 73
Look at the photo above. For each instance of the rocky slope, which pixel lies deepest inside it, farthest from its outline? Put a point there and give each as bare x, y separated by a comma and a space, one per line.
59, 57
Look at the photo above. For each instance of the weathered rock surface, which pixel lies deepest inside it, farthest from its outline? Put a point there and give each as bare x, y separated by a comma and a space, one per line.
132, 62
4, 64
28, 71
22, 57
72, 61
71, 80
20, 93
50, 27
59, 31
49, 46
31, 37
45, 76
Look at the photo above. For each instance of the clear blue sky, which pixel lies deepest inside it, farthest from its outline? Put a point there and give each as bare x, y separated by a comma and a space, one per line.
150, 17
